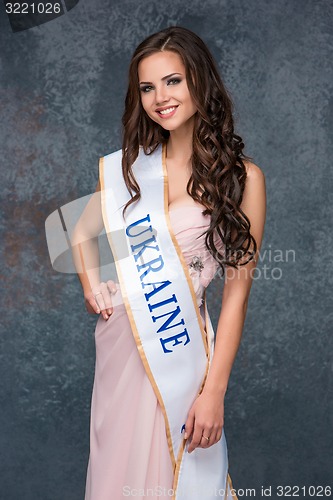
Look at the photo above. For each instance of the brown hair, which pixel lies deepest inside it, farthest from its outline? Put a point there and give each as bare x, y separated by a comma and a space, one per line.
218, 172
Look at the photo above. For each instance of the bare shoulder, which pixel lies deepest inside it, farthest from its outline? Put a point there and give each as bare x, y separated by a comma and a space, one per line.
254, 173
255, 185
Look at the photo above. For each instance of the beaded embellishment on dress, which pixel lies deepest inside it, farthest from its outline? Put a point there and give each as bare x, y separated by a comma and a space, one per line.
197, 264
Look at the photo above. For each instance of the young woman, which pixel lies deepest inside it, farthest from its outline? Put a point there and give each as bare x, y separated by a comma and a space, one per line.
178, 201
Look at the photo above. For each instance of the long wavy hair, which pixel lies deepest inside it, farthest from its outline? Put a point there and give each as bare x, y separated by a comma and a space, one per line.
218, 173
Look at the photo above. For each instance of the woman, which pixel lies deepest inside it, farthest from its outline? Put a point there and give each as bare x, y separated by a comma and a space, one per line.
179, 201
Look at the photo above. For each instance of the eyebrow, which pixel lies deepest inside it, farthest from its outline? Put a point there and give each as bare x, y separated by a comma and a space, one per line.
164, 78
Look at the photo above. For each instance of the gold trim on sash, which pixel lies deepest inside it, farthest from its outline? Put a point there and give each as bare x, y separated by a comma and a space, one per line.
179, 251
208, 324
190, 284
229, 483
205, 331
131, 319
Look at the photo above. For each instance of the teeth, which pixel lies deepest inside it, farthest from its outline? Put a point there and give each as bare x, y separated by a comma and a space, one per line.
167, 111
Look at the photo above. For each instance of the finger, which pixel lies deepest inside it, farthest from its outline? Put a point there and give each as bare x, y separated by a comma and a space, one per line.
92, 302
102, 296
196, 439
106, 292
112, 286
92, 307
189, 425
205, 441
208, 437
100, 302
214, 436
217, 430
218, 436
99, 296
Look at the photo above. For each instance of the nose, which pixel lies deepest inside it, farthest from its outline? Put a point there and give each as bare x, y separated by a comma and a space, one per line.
161, 94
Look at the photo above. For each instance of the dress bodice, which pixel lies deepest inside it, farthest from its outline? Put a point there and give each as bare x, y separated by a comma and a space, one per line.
189, 224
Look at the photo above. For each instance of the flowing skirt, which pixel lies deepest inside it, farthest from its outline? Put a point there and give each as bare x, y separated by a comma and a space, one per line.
129, 452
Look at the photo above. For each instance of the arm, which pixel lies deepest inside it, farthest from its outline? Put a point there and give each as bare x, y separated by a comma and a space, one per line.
85, 253
206, 415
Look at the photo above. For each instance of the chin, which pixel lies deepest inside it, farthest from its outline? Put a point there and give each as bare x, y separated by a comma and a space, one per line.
171, 126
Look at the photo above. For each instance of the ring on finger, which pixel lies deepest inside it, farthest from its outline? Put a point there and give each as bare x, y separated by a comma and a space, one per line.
207, 438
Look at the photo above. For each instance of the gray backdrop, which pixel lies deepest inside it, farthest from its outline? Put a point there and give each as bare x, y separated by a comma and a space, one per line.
62, 86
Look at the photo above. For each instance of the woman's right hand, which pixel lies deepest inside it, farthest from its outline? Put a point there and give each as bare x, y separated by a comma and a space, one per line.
99, 299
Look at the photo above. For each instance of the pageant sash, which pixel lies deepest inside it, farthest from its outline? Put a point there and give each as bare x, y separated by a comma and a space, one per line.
161, 305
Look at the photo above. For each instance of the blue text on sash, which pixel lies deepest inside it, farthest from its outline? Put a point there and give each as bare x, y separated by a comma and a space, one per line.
148, 259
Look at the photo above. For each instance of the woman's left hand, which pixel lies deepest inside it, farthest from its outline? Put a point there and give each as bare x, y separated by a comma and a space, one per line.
205, 421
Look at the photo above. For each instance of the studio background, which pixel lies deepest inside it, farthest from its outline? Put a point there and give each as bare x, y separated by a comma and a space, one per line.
62, 88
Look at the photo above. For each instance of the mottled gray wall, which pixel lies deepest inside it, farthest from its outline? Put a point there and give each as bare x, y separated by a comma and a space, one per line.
61, 96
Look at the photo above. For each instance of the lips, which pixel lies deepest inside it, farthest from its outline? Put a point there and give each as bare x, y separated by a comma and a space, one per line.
166, 111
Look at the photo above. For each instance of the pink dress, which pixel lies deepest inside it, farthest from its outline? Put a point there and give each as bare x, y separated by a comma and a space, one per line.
128, 446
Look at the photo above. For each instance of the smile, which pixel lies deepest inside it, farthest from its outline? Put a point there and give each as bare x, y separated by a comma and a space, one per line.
167, 112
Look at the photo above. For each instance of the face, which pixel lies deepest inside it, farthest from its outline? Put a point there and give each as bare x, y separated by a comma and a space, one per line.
164, 93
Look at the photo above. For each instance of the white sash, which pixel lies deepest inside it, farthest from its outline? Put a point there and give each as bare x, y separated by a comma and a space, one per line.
162, 309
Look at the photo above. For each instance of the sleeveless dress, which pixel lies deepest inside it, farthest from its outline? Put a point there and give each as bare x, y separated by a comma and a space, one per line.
129, 455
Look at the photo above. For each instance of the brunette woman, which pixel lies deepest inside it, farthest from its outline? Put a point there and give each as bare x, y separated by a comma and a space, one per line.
179, 201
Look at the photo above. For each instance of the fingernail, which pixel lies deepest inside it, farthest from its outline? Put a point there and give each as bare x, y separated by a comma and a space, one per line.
185, 435
98, 311
114, 290
106, 316
109, 311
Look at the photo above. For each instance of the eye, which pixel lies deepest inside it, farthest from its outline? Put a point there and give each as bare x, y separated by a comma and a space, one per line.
174, 80
145, 88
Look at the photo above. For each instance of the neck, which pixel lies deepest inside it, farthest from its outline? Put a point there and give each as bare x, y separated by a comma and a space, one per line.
180, 144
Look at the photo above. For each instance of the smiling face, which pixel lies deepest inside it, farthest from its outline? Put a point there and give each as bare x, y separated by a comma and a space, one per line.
164, 93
